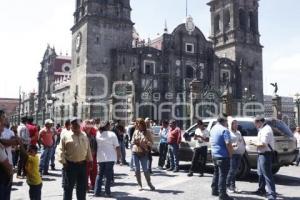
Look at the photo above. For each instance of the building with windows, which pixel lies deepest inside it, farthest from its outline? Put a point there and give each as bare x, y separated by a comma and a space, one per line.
114, 74
107, 53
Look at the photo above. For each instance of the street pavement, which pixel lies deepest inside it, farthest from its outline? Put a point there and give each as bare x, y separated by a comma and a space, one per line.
169, 185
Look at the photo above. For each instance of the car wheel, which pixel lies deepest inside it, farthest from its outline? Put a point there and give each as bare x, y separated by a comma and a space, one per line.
244, 168
275, 169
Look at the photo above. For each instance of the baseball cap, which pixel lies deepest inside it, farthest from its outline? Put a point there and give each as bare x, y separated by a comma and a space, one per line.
75, 120
48, 121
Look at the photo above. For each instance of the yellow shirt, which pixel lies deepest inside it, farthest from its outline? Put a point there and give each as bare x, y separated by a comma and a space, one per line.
32, 170
74, 148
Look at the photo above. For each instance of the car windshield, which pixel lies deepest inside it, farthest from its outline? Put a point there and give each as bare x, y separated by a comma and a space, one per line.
156, 129
247, 128
280, 128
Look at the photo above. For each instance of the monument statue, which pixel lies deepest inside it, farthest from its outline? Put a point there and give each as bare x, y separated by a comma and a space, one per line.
275, 88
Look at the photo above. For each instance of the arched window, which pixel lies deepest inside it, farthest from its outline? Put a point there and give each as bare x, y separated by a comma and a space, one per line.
253, 23
243, 20
189, 73
227, 19
78, 3
217, 24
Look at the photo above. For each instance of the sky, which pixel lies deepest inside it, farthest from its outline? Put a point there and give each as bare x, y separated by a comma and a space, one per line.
27, 27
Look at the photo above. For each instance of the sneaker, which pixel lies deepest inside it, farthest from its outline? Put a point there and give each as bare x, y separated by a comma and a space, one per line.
215, 193
190, 174
176, 170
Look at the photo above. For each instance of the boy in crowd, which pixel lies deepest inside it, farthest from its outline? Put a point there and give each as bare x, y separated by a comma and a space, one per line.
34, 179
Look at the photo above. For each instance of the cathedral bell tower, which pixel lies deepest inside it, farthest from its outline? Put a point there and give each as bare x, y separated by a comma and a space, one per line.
99, 27
235, 35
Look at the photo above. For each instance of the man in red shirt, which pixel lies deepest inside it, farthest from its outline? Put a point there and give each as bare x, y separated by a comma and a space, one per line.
33, 131
174, 139
47, 140
91, 131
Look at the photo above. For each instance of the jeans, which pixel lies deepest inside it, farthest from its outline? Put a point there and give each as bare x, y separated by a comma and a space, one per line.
92, 171
235, 162
123, 151
105, 169
141, 159
75, 173
52, 158
221, 168
173, 151
298, 159
5, 190
132, 165
21, 163
45, 159
15, 157
163, 150
265, 175
199, 157
35, 192
149, 162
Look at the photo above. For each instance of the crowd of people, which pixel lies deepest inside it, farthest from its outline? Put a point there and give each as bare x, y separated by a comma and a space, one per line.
88, 151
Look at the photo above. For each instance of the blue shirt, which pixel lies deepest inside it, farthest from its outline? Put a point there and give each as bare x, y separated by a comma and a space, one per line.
219, 136
164, 135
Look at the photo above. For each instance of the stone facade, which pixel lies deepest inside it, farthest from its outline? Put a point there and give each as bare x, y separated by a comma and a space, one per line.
106, 51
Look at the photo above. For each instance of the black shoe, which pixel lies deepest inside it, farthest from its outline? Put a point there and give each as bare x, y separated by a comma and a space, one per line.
190, 174
201, 175
170, 169
215, 193
53, 168
259, 193
176, 170
46, 173
226, 198
108, 195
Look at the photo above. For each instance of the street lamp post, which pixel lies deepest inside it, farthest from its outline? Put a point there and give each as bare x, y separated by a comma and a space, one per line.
247, 97
297, 102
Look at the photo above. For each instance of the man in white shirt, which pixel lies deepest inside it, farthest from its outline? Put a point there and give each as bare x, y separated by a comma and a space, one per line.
5, 167
200, 152
265, 146
297, 136
108, 152
23, 133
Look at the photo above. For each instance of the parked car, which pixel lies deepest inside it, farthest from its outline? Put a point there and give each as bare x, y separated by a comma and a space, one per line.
156, 138
285, 144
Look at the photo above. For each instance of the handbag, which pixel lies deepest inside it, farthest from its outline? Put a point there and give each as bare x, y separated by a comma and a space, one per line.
274, 158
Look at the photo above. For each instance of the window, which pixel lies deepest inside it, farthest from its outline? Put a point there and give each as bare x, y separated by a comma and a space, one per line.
217, 24
253, 26
227, 19
247, 128
225, 76
155, 85
149, 67
78, 61
243, 20
189, 48
189, 72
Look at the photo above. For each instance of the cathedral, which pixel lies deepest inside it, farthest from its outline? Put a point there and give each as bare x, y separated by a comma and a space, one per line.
114, 74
